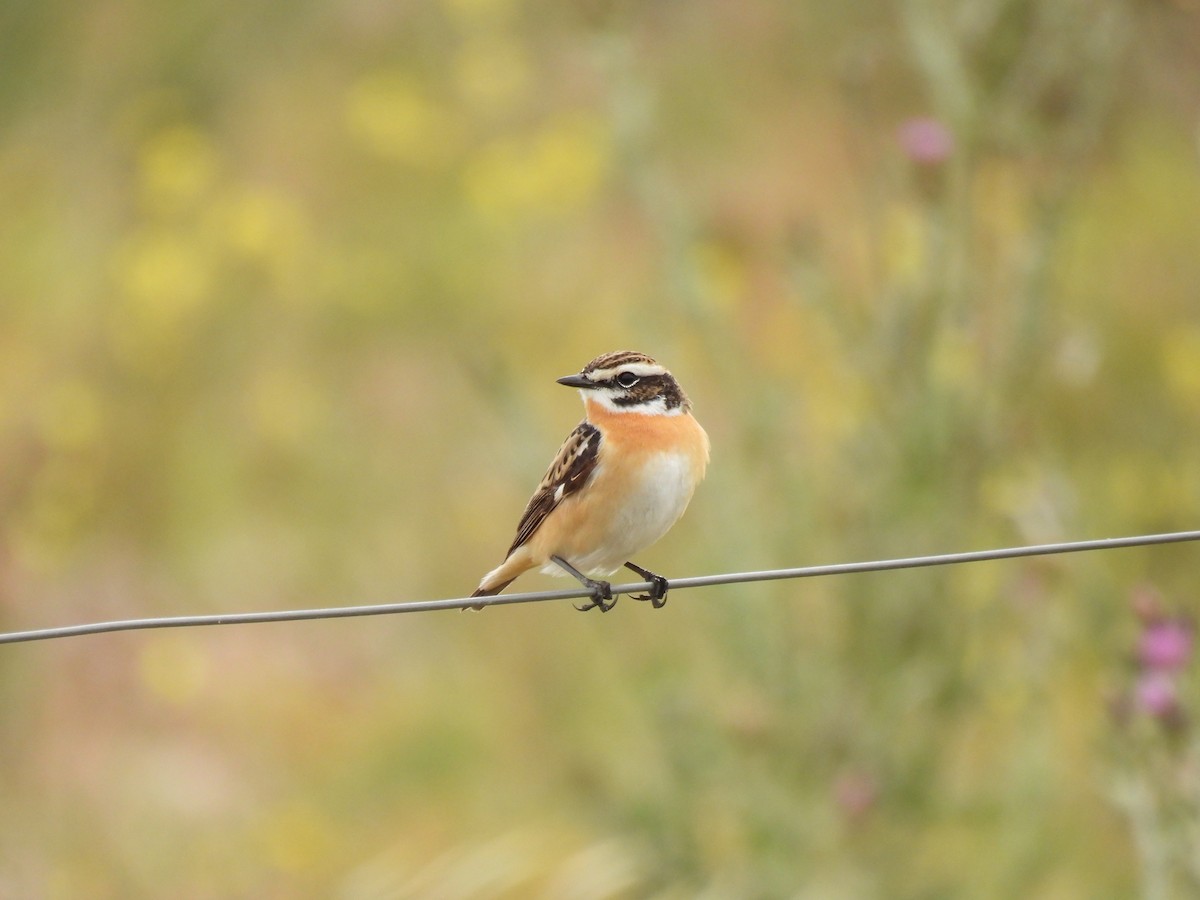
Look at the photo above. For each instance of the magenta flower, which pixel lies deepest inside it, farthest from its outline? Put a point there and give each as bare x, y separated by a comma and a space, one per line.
926, 141
1166, 645
1157, 695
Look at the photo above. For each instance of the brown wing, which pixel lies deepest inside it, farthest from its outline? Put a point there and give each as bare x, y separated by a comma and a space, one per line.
570, 471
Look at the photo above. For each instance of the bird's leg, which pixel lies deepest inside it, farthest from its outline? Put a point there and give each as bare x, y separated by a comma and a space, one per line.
601, 590
658, 593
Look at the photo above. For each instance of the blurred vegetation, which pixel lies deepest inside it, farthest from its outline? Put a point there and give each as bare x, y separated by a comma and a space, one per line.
283, 291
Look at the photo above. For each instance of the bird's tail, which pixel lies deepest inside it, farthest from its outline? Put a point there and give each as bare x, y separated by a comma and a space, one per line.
490, 591
503, 575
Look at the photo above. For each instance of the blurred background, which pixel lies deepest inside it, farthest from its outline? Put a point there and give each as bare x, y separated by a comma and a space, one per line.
284, 289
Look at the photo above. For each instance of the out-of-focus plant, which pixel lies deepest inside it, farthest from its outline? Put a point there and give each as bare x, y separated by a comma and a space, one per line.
1156, 778
281, 291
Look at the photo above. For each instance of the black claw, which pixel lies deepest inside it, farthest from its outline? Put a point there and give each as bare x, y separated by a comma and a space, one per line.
658, 593
601, 591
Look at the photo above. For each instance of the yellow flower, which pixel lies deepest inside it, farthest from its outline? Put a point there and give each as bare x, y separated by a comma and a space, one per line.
555, 171
163, 280
572, 156
263, 226
391, 117
1181, 364
163, 276
176, 166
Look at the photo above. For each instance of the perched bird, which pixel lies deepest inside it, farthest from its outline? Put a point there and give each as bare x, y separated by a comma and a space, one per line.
620, 480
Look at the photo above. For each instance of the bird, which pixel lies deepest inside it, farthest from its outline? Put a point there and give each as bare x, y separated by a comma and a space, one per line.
620, 480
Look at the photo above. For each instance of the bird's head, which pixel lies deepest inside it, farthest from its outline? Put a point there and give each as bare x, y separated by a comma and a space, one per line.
628, 381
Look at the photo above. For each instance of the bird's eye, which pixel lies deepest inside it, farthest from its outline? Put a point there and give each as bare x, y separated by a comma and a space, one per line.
627, 379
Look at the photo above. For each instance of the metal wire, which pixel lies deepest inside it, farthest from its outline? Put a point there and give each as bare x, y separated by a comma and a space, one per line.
677, 584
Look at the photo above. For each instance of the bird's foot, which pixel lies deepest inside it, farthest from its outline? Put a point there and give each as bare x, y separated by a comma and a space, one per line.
602, 597
658, 592
601, 590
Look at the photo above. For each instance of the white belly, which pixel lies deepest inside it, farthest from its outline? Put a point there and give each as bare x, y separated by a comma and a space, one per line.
647, 514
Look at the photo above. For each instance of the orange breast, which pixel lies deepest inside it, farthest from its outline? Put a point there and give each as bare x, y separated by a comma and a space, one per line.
584, 525
635, 435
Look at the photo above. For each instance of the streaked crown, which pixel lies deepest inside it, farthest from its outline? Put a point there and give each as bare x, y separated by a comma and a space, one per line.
628, 381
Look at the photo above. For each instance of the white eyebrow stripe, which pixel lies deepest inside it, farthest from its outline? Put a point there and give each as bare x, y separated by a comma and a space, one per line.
641, 370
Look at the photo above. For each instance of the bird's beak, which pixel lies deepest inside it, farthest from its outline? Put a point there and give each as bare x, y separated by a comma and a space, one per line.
575, 381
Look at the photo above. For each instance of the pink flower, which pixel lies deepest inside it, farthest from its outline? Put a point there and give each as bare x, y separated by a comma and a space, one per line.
926, 141
1166, 645
1156, 694
855, 793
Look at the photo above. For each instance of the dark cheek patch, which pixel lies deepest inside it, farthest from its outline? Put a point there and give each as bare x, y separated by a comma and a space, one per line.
648, 389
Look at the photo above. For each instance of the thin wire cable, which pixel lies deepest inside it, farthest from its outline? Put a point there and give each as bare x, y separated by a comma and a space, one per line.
677, 584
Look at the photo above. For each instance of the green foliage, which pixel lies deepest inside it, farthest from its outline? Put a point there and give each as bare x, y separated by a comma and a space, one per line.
283, 292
